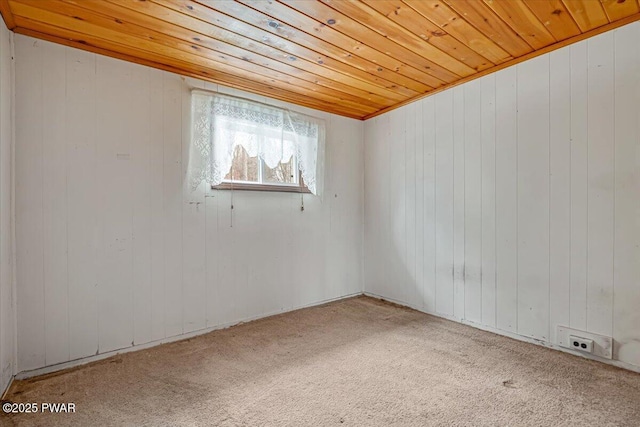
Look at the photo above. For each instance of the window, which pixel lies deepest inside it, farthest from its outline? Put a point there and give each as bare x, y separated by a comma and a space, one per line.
252, 173
242, 144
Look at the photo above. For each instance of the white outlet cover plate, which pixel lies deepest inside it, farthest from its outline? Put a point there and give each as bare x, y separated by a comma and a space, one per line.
602, 345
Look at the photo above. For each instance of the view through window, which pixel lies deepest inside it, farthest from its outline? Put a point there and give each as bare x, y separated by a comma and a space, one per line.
250, 170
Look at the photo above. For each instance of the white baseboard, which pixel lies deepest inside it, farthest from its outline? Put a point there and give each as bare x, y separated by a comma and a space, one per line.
84, 360
511, 335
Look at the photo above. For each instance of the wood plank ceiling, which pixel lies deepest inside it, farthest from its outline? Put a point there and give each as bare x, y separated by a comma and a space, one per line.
355, 58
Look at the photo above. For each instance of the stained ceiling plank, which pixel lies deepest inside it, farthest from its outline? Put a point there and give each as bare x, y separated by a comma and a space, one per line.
205, 35
450, 21
213, 49
520, 18
480, 16
358, 55
156, 14
427, 30
588, 14
228, 64
555, 17
618, 9
375, 21
319, 14
70, 38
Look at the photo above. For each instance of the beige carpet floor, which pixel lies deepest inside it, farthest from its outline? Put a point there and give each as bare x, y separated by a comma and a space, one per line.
356, 362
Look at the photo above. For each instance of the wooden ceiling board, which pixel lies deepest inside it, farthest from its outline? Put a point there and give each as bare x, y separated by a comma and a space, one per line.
209, 36
356, 58
520, 18
480, 16
369, 17
346, 50
618, 9
588, 14
360, 70
555, 17
363, 35
450, 21
396, 10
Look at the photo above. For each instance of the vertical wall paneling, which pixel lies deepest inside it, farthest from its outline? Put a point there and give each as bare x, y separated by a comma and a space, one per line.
351, 160
54, 180
156, 205
473, 202
7, 297
334, 226
212, 250
444, 203
600, 176
458, 202
83, 219
534, 194
140, 148
397, 195
193, 234
429, 160
559, 189
420, 202
533, 198
488, 208
113, 143
373, 163
626, 296
83, 222
244, 225
115, 248
173, 188
29, 227
410, 201
320, 214
579, 186
226, 279
385, 200
506, 201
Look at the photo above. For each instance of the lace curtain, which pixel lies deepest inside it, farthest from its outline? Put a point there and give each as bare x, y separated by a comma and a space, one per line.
220, 123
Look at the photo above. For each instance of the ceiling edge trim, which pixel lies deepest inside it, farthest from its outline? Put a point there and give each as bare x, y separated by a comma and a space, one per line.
7, 15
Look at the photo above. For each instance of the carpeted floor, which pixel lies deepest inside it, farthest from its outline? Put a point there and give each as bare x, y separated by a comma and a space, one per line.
356, 362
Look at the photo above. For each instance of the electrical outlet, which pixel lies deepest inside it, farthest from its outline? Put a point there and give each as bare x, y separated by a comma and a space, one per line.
582, 344
601, 345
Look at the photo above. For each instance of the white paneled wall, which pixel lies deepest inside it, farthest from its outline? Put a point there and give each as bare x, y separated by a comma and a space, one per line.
113, 248
513, 201
7, 315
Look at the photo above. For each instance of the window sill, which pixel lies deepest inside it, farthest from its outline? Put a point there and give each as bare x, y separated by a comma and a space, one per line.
261, 187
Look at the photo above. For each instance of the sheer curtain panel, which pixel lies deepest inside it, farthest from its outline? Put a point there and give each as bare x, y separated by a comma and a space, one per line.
220, 123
